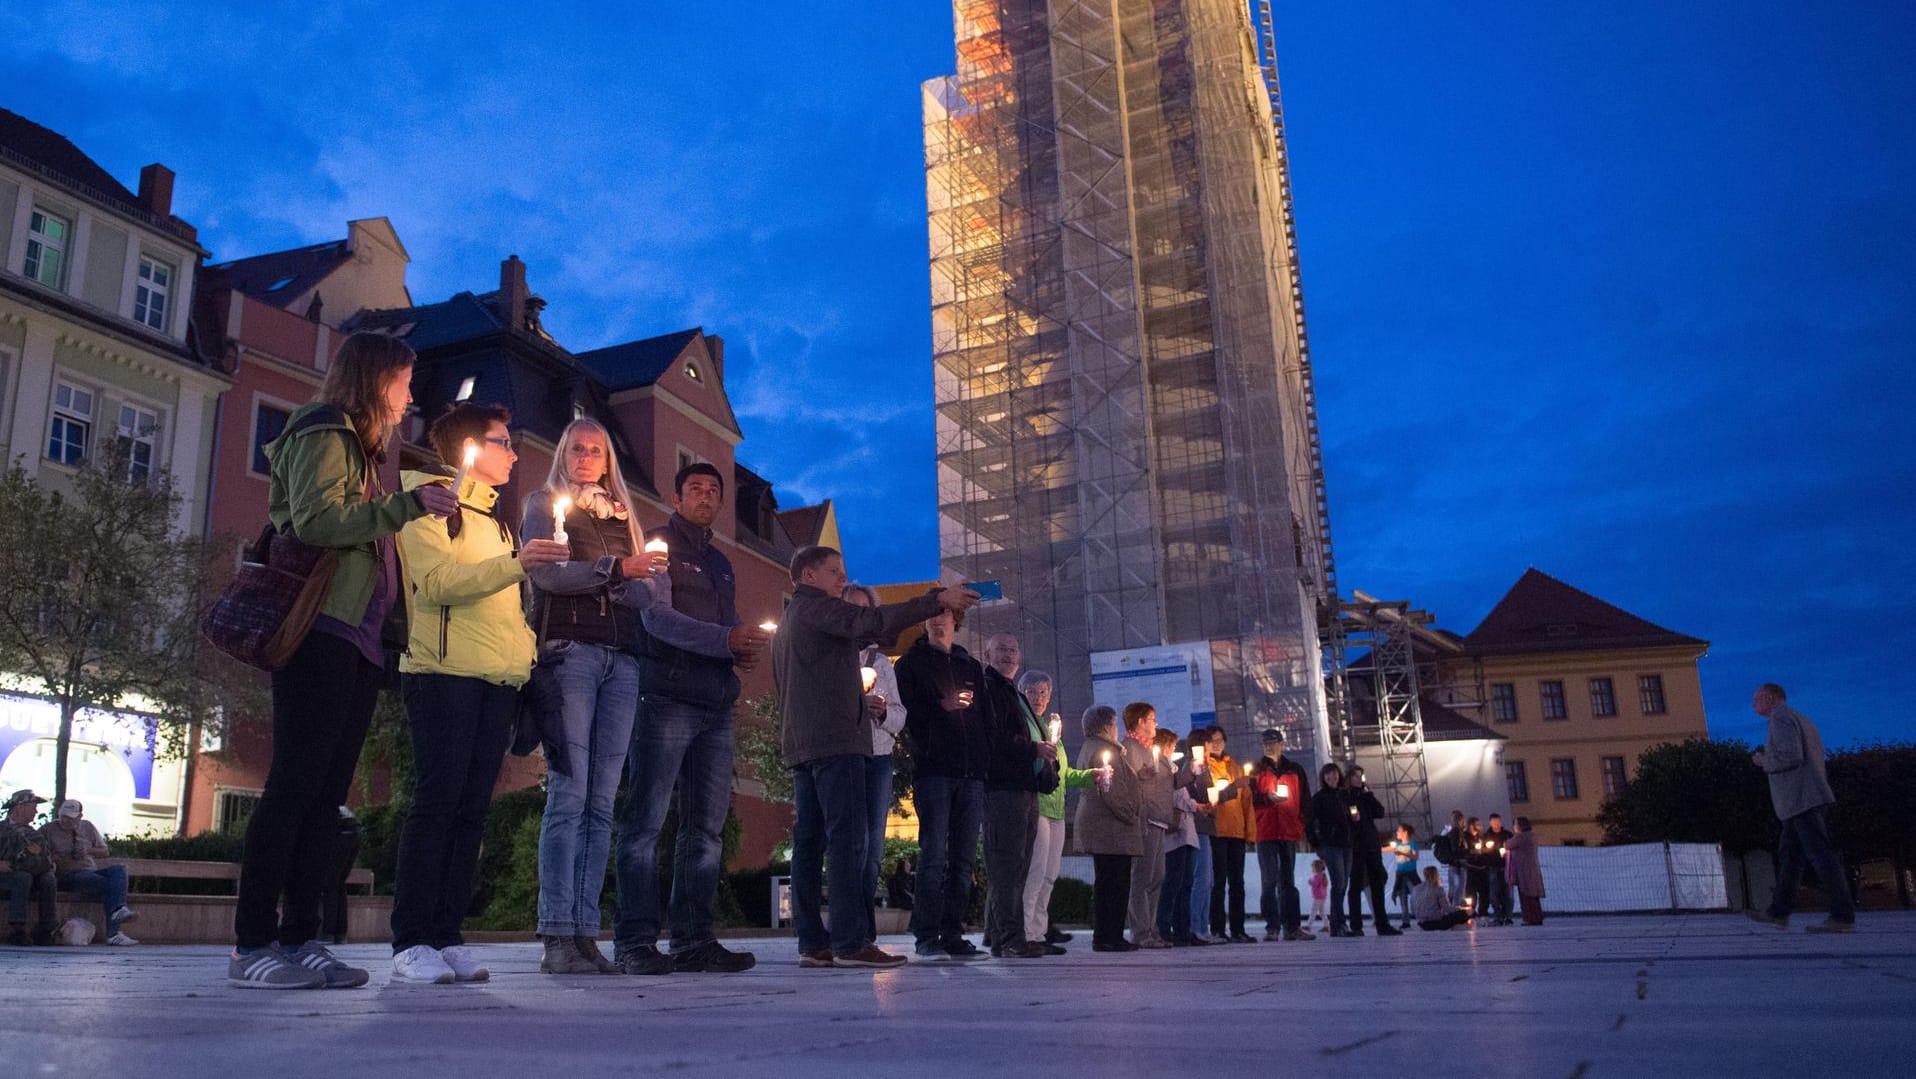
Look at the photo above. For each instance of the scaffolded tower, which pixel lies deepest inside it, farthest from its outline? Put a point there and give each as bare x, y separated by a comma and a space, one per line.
1126, 429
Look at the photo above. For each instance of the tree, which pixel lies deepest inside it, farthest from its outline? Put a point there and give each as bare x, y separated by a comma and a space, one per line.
100, 594
1696, 791
760, 746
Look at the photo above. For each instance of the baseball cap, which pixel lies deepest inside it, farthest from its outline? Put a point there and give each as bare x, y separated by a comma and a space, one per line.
1272, 734
70, 808
19, 796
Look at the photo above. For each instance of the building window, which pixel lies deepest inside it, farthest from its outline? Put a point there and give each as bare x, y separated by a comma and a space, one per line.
150, 295
268, 422
46, 247
136, 431
72, 426
1553, 700
1517, 781
686, 459
232, 806
1603, 697
1650, 693
1615, 775
1503, 702
1563, 777
692, 372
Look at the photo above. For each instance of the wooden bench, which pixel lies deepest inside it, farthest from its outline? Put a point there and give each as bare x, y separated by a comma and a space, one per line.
208, 919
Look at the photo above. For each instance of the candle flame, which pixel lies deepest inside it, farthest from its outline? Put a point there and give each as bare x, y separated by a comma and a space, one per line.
472, 452
869, 676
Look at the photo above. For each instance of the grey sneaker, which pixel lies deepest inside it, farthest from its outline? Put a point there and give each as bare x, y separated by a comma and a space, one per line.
268, 968
315, 957
1831, 925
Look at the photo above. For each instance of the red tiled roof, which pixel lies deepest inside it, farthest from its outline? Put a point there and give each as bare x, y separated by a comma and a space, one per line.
803, 524
1543, 614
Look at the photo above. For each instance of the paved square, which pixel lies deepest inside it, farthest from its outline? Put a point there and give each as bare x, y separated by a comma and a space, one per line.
1699, 995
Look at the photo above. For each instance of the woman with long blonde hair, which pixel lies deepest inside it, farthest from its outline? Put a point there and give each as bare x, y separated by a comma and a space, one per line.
325, 491
585, 612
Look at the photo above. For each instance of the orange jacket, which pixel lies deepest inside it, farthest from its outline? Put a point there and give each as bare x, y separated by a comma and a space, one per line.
1234, 818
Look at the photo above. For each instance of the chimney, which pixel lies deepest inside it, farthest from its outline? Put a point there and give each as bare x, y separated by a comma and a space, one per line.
512, 293
715, 345
156, 190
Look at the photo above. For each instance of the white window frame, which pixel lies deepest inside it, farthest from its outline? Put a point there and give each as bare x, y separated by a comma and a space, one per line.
152, 298
68, 415
137, 437
38, 239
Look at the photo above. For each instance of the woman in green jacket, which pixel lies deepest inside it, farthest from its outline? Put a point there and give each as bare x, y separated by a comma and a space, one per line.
325, 491
469, 652
1047, 847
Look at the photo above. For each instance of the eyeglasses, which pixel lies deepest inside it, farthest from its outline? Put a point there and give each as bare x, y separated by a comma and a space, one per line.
502, 443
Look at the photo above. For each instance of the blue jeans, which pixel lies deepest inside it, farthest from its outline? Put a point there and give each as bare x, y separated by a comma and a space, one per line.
688, 746
1805, 841
1201, 888
1174, 902
950, 814
878, 782
599, 688
831, 804
107, 884
1279, 903
1337, 863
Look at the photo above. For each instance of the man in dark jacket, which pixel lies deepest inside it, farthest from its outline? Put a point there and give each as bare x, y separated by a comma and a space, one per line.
1022, 765
683, 738
941, 684
1496, 838
827, 720
1476, 868
1367, 856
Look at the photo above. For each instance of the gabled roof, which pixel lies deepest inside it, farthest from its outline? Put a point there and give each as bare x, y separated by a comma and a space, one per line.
281, 276
460, 318
805, 524
638, 363
56, 153
1543, 614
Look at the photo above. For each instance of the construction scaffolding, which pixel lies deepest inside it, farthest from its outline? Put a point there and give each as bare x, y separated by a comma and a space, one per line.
1126, 425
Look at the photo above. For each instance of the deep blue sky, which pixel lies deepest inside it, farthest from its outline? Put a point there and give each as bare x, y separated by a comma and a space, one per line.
1626, 292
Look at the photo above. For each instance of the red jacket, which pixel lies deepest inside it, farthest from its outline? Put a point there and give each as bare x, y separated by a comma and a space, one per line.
1279, 796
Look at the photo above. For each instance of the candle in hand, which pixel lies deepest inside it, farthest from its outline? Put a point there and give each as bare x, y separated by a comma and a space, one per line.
657, 546
769, 627
1105, 758
1057, 728
1197, 754
869, 675
459, 478
561, 506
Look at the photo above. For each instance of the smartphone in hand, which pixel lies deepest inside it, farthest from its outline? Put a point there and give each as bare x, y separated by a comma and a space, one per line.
987, 590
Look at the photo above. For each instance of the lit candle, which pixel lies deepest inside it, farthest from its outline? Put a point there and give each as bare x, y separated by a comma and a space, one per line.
1154, 754
561, 506
459, 478
1105, 758
1057, 728
1197, 754
1220, 787
769, 627
657, 546
1353, 812
1176, 757
869, 675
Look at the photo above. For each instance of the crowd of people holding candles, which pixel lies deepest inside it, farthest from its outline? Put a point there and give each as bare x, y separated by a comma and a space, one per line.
638, 643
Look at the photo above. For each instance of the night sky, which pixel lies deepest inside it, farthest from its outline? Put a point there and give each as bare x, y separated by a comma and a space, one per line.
1625, 292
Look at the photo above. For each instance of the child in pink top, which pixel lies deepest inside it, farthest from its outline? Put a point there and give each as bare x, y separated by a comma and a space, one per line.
1320, 889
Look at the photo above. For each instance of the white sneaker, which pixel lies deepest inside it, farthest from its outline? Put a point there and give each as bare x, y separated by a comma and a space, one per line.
422, 963
466, 966
121, 940
125, 914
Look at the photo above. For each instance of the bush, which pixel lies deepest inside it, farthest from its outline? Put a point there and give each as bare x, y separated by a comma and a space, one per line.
224, 846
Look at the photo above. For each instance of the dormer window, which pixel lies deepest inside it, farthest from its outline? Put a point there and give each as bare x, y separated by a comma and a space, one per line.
279, 284
465, 388
692, 372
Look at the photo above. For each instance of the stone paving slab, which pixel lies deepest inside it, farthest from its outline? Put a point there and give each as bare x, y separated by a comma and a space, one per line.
1697, 995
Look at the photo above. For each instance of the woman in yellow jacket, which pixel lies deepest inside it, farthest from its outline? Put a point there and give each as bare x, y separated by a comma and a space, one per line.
1235, 833
469, 652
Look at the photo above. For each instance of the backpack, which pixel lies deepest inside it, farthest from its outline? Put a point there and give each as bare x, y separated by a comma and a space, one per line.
1444, 848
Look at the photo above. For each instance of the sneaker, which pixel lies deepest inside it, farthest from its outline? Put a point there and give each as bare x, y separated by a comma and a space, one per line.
1299, 934
815, 960
960, 948
124, 914
466, 966
1781, 921
869, 956
589, 948
644, 959
314, 956
1831, 925
932, 952
1271, 935
268, 968
712, 957
422, 963
121, 940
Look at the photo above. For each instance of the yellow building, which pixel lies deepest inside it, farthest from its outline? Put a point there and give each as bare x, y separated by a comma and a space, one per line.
1579, 689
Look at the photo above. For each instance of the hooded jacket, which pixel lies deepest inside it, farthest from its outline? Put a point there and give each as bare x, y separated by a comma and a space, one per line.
318, 492
948, 742
462, 591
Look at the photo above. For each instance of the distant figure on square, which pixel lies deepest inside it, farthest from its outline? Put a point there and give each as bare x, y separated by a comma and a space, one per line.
1523, 872
1800, 792
1430, 904
26, 871
1320, 888
77, 846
